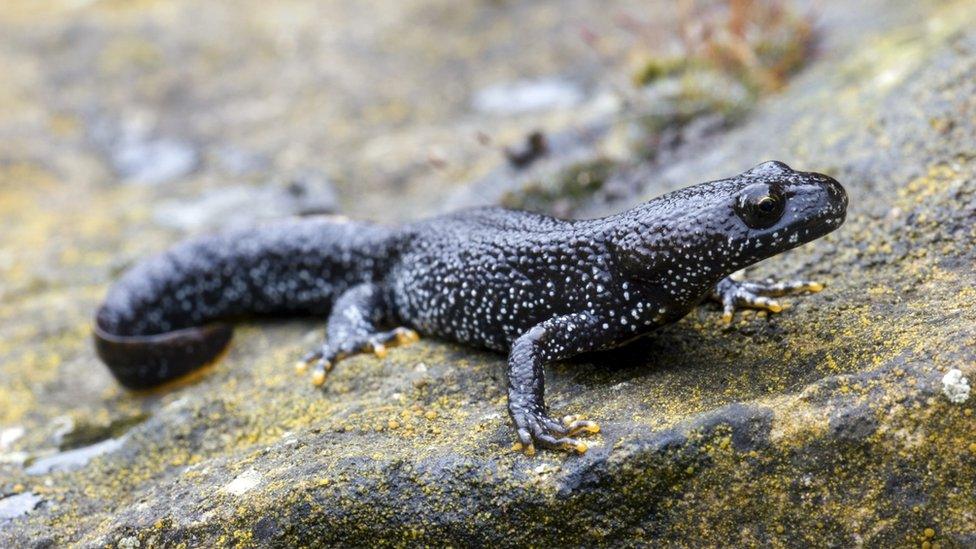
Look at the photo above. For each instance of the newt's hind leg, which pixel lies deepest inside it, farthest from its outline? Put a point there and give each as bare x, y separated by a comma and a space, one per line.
358, 323
734, 294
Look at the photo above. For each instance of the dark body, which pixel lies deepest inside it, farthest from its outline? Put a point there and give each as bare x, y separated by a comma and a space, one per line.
539, 288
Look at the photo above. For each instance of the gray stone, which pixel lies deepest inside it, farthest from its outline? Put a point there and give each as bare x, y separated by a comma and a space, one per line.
227, 207
76, 458
154, 161
18, 505
522, 96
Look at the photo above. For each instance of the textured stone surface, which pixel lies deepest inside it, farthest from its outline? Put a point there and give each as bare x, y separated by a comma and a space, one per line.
824, 425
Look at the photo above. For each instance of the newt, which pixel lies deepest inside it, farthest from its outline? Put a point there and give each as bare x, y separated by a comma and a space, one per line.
539, 288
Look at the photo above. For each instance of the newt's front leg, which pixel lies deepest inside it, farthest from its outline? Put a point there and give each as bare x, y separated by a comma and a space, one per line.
734, 294
557, 338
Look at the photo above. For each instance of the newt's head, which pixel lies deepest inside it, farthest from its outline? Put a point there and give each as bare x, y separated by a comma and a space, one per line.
708, 231
778, 208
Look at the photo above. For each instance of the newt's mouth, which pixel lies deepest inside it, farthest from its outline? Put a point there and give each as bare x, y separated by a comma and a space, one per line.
834, 210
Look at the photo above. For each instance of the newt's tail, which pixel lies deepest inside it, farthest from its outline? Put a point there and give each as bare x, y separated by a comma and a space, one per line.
142, 362
168, 315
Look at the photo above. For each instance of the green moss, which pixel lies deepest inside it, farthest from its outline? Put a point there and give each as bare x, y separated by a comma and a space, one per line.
563, 191
655, 69
776, 44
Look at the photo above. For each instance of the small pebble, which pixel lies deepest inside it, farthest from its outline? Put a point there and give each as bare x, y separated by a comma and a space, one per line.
955, 386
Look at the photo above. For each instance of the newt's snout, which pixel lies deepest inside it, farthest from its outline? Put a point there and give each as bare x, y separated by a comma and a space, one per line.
836, 192
815, 204
830, 202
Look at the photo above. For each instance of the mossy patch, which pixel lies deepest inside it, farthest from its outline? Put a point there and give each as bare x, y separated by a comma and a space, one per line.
564, 191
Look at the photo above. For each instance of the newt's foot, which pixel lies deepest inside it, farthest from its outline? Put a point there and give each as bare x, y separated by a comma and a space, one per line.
323, 359
733, 294
535, 427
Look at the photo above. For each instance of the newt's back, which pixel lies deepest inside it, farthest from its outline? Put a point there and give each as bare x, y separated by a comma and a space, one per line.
484, 275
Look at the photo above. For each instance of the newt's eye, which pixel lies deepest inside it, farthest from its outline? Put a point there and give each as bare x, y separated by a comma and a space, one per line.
760, 206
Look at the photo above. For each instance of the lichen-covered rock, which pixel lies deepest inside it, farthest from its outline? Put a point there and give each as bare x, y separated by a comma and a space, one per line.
823, 425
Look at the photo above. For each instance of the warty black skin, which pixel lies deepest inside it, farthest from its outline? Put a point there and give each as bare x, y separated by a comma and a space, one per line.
540, 288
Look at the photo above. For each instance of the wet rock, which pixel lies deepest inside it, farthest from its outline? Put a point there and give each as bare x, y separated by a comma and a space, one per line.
154, 161
18, 505
310, 193
139, 153
227, 207
73, 459
243, 483
854, 424
749, 426
238, 162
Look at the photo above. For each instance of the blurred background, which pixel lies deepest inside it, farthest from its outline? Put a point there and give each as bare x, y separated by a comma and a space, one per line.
126, 125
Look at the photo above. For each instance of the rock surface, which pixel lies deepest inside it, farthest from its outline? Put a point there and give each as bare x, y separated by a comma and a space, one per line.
824, 425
